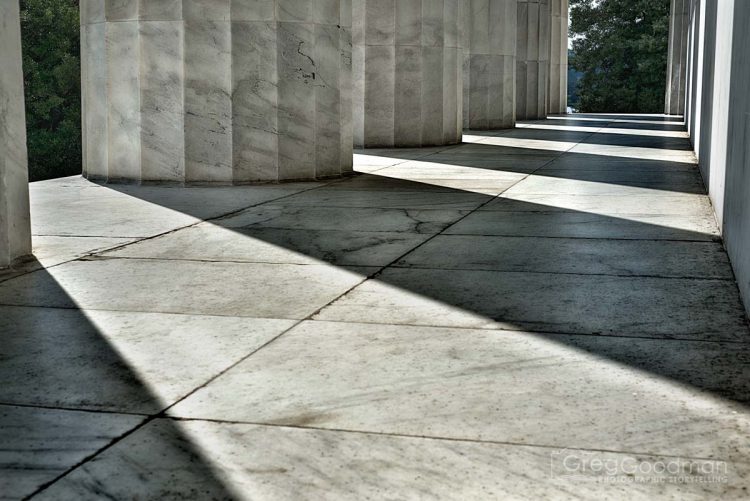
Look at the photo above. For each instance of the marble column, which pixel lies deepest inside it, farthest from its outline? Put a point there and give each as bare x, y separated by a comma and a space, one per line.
15, 229
489, 44
532, 59
216, 91
679, 25
558, 63
407, 72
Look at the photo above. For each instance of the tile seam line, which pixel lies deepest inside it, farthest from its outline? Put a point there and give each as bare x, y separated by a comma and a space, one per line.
228, 261
145, 312
364, 322
66, 408
674, 194
151, 417
442, 149
399, 266
86, 236
137, 240
43, 487
430, 437
255, 227
540, 332
469, 213
603, 239
707, 240
569, 273
615, 215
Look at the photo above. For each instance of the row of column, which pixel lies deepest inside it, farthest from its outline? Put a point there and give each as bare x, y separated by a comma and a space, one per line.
15, 226
242, 91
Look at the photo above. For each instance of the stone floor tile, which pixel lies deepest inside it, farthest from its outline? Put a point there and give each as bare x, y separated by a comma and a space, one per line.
118, 361
656, 203
385, 199
641, 396
636, 152
560, 224
552, 185
582, 256
197, 459
38, 445
190, 287
368, 219
276, 245
53, 250
74, 206
661, 180
579, 304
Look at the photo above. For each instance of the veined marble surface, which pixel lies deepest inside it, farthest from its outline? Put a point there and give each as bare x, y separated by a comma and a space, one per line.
407, 71
558, 61
216, 92
489, 64
37, 445
199, 460
15, 231
453, 323
533, 59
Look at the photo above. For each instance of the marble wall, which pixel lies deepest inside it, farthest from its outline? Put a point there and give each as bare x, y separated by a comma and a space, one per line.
216, 91
558, 65
737, 198
679, 27
15, 230
533, 59
718, 114
489, 42
407, 72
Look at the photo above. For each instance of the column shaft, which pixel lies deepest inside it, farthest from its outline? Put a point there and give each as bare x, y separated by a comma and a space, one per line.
558, 69
532, 64
407, 72
489, 44
15, 230
679, 25
216, 91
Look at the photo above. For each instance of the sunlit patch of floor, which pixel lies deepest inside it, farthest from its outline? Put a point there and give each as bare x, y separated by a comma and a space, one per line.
484, 320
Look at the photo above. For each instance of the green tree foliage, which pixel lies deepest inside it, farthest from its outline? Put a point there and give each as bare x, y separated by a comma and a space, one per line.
51, 67
620, 47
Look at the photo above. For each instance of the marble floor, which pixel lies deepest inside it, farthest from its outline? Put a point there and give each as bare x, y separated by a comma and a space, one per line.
545, 312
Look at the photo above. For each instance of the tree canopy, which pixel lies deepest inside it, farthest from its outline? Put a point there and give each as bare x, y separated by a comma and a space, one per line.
620, 46
51, 67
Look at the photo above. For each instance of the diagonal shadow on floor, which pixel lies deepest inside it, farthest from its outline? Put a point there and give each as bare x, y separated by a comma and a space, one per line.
651, 291
515, 263
627, 165
72, 388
